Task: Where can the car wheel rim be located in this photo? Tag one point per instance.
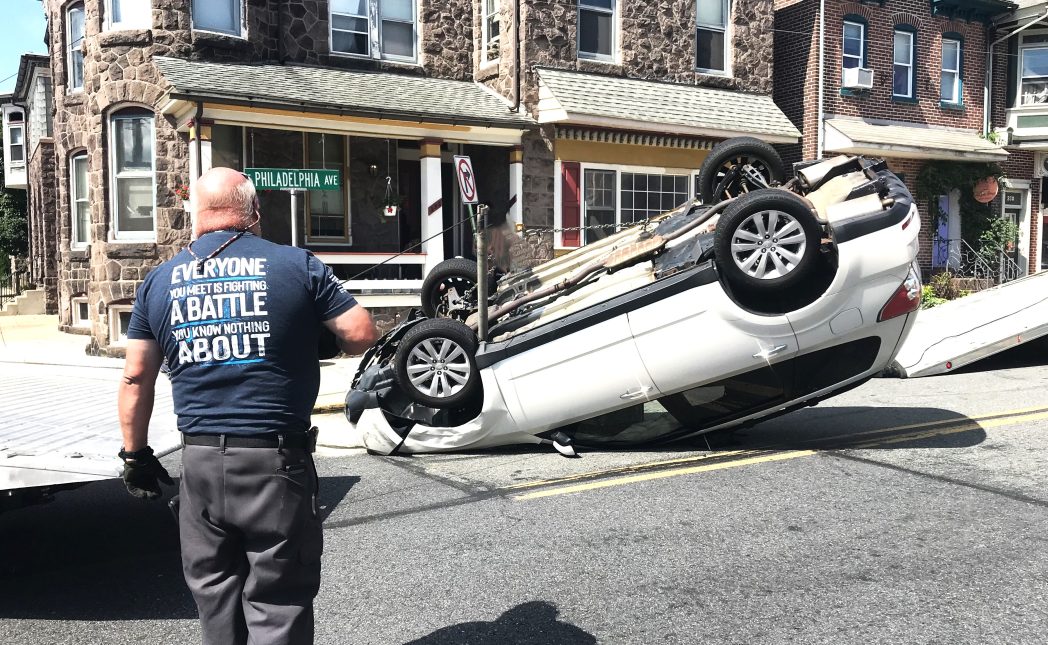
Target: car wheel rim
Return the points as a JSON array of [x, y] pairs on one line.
[[450, 296], [739, 184], [768, 244], [438, 367]]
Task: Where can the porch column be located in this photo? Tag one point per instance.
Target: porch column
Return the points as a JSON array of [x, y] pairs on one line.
[[201, 129], [432, 203], [515, 212]]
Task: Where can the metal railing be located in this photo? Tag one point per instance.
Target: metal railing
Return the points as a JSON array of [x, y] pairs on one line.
[[989, 263], [10, 288]]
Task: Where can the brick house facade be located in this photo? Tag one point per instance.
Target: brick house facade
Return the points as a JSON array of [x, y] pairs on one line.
[[925, 102], [149, 93]]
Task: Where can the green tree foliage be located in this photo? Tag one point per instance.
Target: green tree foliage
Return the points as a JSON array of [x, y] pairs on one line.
[[940, 177], [14, 227]]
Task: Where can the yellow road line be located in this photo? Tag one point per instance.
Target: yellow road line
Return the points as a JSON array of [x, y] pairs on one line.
[[994, 420], [662, 474], [626, 469], [962, 427]]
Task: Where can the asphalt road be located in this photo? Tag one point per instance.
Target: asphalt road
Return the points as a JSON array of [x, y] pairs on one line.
[[901, 512]]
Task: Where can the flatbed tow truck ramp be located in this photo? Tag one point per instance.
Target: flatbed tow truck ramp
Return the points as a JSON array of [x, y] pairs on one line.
[[60, 429], [962, 331]]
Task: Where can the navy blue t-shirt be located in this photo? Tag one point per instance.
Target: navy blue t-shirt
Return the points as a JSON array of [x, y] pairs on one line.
[[240, 332]]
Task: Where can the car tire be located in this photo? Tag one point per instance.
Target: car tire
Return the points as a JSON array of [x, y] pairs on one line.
[[435, 364], [454, 276], [730, 154], [746, 248]]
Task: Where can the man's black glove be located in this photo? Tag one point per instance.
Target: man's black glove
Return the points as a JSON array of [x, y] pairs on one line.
[[143, 473]]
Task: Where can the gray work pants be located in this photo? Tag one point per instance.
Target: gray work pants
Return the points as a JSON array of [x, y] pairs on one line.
[[251, 543]]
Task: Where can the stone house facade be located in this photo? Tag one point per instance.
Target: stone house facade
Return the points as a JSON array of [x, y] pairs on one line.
[[150, 93], [903, 80]]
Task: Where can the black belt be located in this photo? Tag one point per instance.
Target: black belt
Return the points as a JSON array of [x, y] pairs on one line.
[[304, 440]]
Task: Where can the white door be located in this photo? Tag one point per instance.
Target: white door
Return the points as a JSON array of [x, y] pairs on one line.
[[575, 374], [700, 336], [1017, 209]]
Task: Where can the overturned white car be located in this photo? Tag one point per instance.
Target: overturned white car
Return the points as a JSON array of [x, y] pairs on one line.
[[725, 314]]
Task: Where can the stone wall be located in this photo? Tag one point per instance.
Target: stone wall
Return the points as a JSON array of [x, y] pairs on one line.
[[657, 42], [43, 221]]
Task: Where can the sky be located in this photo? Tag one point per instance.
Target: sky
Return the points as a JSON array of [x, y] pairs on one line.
[[21, 31]]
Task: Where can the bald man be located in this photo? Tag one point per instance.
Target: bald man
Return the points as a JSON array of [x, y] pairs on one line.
[[237, 318]]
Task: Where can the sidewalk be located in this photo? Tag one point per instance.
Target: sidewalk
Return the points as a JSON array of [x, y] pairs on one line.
[[35, 340]]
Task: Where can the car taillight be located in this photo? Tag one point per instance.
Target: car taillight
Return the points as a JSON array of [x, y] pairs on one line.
[[906, 298]]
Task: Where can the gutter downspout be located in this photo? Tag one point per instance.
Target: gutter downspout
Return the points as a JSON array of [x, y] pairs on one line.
[[988, 84], [821, 129], [199, 145]]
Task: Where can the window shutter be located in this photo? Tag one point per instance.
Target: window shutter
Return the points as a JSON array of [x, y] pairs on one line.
[[570, 202]]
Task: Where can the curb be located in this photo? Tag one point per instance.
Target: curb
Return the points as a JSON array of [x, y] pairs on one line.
[[329, 408]]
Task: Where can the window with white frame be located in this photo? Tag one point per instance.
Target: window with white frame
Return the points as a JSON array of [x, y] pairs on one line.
[[596, 29], [902, 68], [854, 46], [383, 29], [80, 312], [129, 14], [75, 41], [326, 210], [711, 35], [1033, 70], [133, 184], [491, 29], [78, 203], [613, 197], [119, 320], [221, 16], [950, 88], [15, 139]]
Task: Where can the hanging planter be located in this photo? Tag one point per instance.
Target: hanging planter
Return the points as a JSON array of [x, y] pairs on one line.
[[186, 205], [985, 190], [390, 201]]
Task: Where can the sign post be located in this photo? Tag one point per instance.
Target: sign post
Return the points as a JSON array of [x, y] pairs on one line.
[[467, 182], [293, 180]]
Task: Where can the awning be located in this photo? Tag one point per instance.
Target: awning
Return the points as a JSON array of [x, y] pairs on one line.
[[395, 99], [574, 98], [910, 141]]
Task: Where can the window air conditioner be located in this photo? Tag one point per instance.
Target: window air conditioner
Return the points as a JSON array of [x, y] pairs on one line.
[[858, 78], [1040, 164]]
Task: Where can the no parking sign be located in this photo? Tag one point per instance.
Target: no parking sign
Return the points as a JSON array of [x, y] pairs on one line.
[[466, 179]]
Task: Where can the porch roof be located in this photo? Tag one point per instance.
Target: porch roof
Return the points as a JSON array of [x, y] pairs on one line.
[[892, 139], [377, 95], [653, 106]]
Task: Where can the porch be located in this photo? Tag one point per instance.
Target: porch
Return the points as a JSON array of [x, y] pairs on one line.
[[391, 137]]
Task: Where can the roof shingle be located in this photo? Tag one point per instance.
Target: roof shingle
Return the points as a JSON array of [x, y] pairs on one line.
[[378, 94], [666, 104]]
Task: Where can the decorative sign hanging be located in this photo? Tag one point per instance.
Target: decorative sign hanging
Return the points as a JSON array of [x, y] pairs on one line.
[[985, 190]]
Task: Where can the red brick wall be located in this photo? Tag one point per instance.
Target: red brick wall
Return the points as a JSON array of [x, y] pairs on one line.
[[878, 102], [908, 169], [1020, 163], [1020, 166], [797, 72]]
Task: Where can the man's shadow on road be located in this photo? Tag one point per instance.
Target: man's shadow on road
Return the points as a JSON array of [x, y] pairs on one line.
[[96, 553], [532, 623]]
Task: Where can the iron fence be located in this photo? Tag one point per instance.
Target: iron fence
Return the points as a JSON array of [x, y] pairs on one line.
[[989, 263], [10, 288]]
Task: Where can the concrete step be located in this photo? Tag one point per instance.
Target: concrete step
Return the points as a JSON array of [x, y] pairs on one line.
[[29, 303]]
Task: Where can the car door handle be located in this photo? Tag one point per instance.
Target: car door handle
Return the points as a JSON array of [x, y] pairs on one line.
[[768, 352], [640, 392]]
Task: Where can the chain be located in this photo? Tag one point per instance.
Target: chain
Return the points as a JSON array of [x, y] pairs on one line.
[[538, 230]]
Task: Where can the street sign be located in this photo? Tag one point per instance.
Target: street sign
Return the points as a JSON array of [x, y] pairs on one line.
[[294, 178], [466, 179]]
